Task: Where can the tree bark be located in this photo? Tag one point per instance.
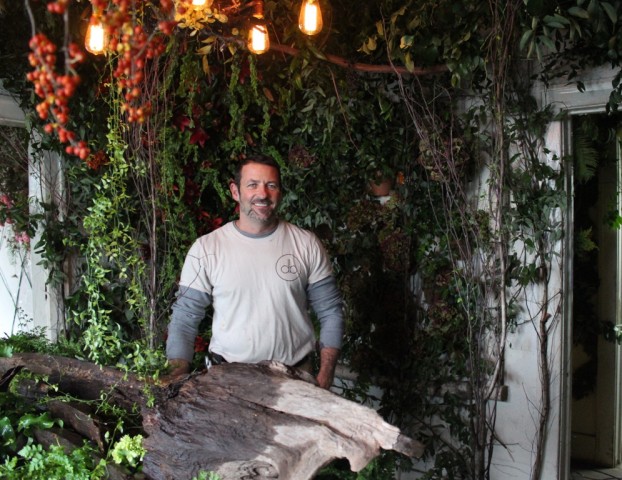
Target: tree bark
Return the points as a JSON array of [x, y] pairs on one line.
[[241, 421]]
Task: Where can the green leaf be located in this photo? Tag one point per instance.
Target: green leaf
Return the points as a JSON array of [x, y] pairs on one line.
[[547, 42], [610, 11], [319, 54], [538, 51], [380, 28], [455, 79], [584, 242], [578, 12], [128, 450], [408, 61], [556, 21], [561, 19], [525, 39], [29, 421], [586, 157], [6, 351], [7, 434], [407, 41], [592, 8], [370, 45]]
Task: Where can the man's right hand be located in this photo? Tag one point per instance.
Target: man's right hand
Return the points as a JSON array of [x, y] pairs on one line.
[[179, 368]]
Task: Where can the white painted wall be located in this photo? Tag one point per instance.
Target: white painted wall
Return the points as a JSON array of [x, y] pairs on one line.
[[25, 299], [16, 305], [516, 417], [16, 311]]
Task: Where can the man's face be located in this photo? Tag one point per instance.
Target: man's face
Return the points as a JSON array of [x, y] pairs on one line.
[[259, 193]]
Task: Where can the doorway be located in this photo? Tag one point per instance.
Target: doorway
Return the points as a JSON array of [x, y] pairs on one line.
[[597, 281]]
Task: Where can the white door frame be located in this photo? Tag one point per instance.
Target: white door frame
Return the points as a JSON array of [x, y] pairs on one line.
[[566, 98]]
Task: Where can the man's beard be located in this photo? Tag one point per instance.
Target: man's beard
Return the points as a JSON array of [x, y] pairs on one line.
[[250, 213]]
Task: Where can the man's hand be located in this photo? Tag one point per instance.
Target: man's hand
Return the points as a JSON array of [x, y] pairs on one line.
[[328, 362], [179, 368]]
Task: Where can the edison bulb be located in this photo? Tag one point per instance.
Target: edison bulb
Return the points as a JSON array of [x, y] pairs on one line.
[[310, 19], [96, 39], [258, 39]]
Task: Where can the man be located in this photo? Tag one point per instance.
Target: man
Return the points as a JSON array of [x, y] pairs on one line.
[[260, 274]]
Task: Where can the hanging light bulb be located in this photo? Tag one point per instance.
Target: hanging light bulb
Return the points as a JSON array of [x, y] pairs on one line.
[[199, 3], [310, 19], [258, 38], [96, 39]]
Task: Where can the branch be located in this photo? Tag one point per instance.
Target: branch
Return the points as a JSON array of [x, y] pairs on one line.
[[364, 67]]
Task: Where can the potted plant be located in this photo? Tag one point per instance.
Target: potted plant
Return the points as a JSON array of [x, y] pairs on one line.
[[380, 184]]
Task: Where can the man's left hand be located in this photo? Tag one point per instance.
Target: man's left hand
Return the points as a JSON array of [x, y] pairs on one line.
[[328, 362]]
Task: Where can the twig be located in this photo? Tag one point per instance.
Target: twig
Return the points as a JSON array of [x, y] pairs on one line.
[[31, 16], [365, 67]]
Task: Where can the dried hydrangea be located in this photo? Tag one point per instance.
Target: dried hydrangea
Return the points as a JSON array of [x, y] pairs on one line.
[[300, 157]]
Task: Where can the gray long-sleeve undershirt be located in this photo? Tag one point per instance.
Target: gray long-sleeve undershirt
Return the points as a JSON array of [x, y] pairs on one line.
[[190, 307]]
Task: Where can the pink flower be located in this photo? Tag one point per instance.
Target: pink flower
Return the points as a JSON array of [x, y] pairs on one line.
[[22, 238], [4, 198]]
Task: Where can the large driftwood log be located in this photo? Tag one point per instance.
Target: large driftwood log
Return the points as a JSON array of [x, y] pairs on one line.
[[241, 421]]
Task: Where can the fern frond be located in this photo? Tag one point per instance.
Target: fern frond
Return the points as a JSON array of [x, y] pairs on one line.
[[585, 157]]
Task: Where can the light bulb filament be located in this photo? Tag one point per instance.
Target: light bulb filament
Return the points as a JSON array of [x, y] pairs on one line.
[[259, 40], [96, 37], [310, 18]]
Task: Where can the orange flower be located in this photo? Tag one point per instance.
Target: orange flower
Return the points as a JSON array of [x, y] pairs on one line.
[[400, 179]]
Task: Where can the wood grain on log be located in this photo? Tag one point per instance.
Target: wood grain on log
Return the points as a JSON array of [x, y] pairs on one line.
[[82, 379], [262, 424], [80, 419], [241, 421]]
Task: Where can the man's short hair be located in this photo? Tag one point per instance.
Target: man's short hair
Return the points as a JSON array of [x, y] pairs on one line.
[[256, 158]]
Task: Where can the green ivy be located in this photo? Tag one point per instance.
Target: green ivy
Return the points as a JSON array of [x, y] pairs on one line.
[[53, 464], [128, 450]]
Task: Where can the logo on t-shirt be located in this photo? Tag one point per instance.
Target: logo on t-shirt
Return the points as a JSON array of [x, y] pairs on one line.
[[288, 267]]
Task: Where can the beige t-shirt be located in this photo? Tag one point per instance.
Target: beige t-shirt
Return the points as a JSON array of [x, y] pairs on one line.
[[258, 289]]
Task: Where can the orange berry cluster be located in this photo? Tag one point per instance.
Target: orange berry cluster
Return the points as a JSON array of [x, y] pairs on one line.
[[59, 6], [134, 47], [128, 39], [167, 25], [55, 89]]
